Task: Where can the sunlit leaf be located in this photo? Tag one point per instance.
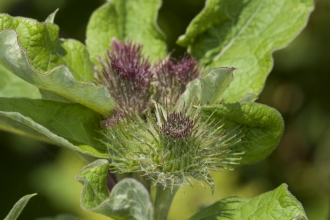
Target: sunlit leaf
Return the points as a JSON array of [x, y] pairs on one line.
[[276, 204], [59, 80], [129, 20], [243, 34], [45, 50]]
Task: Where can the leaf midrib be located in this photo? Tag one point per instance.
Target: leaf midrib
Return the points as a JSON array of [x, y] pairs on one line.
[[231, 42]]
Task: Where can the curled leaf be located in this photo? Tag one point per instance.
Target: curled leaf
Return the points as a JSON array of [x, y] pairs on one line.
[[59, 80], [262, 127], [127, 200]]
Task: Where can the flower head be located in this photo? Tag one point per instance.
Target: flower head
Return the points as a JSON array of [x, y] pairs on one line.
[[173, 148], [127, 76], [172, 77]]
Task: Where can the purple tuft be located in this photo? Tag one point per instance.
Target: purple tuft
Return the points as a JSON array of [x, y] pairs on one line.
[[178, 125], [128, 76], [173, 75]]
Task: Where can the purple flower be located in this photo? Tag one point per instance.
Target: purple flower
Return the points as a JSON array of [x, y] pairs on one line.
[[127, 76], [172, 77]]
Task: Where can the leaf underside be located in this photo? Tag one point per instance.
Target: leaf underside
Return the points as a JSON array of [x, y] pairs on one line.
[[127, 200], [18, 207]]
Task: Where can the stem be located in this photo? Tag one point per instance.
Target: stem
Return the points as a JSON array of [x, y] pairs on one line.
[[163, 201]]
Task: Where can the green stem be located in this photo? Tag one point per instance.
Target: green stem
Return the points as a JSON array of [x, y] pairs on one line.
[[163, 201]]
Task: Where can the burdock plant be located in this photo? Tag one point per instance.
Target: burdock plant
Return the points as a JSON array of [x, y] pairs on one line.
[[155, 122]]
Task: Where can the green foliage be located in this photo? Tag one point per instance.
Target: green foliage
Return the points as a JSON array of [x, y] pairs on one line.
[[45, 50], [59, 80], [243, 34], [13, 86], [130, 20], [68, 124], [127, 200], [208, 89], [53, 97], [262, 127], [276, 204], [18, 207]]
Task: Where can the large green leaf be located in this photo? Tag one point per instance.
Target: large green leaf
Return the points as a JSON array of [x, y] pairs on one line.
[[13, 86], [273, 205], [129, 20], [127, 200], [59, 80], [66, 124], [208, 89], [18, 207], [45, 50], [243, 34], [261, 125]]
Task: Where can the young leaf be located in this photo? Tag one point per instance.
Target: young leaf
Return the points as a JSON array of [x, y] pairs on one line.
[[133, 20], [243, 34], [51, 17], [207, 89], [262, 127], [18, 207], [66, 124], [59, 80], [127, 200], [276, 204], [45, 51]]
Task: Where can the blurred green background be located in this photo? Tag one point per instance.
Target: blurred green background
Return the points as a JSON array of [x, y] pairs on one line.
[[298, 87]]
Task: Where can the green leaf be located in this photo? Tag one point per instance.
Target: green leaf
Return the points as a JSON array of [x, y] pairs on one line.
[[59, 80], [127, 200], [129, 20], [207, 89], [276, 204], [18, 207], [45, 50], [51, 17], [13, 86], [262, 127], [243, 34], [66, 124]]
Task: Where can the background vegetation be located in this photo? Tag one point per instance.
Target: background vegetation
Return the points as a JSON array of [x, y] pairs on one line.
[[298, 87]]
